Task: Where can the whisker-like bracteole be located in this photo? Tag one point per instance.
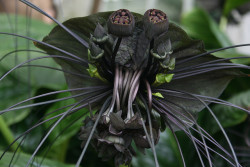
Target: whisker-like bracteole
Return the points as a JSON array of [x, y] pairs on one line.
[[44, 121], [104, 107], [72, 110], [222, 129], [57, 69], [178, 144], [201, 71], [150, 127], [82, 41], [57, 122], [212, 51], [13, 107], [48, 45], [21, 50], [210, 62], [192, 120], [204, 98], [54, 140], [37, 58], [39, 123], [180, 124]]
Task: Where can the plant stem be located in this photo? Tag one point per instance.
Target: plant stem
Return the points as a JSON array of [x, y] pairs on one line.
[[5, 130], [223, 23]]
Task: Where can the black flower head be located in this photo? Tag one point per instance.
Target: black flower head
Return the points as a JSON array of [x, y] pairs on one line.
[[121, 23], [155, 23], [142, 74]]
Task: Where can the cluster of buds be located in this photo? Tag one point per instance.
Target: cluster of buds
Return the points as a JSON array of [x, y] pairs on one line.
[[114, 140]]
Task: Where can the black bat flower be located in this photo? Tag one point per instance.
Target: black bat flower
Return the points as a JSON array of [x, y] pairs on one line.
[[146, 74], [141, 74]]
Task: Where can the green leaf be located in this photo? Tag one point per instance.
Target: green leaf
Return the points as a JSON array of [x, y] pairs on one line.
[[169, 77], [24, 158], [73, 129], [39, 76], [228, 116], [93, 72], [10, 95], [167, 153], [200, 25], [232, 4], [225, 54], [157, 94], [162, 78]]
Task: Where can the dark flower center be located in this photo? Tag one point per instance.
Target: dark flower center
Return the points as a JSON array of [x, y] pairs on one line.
[[121, 17], [156, 16], [129, 57]]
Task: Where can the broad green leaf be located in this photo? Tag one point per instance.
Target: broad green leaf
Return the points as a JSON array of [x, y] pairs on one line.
[[200, 25], [24, 158], [232, 4]]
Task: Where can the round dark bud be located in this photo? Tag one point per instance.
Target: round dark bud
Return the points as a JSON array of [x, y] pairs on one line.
[[155, 23], [121, 23]]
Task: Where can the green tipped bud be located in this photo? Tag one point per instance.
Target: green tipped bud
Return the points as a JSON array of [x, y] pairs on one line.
[[95, 51], [100, 34], [162, 50], [121, 23], [168, 63], [155, 23]]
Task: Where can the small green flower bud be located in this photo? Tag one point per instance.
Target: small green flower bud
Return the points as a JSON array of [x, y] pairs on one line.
[[95, 51], [100, 34], [168, 63], [162, 50]]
